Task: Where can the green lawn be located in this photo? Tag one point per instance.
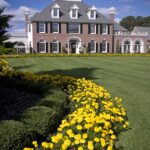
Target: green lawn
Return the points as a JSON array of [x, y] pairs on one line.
[[126, 77]]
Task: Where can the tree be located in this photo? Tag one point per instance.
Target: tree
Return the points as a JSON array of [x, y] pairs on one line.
[[130, 22], [4, 25]]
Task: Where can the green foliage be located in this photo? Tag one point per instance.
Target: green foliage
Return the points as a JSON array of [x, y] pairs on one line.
[[4, 25], [4, 50], [130, 22], [40, 119], [14, 135]]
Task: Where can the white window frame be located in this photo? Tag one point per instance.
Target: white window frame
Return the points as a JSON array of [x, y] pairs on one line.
[[71, 14], [55, 42], [91, 30], [44, 45], [42, 23], [105, 51], [52, 13], [57, 28], [94, 46], [106, 28], [90, 14], [79, 26]]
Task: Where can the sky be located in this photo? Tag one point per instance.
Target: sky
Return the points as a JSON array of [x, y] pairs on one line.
[[123, 8]]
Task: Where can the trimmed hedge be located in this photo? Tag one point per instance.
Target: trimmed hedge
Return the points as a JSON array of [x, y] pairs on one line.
[[73, 55], [14, 135]]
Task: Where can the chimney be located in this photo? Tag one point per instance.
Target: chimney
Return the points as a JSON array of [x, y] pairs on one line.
[[26, 19], [112, 12]]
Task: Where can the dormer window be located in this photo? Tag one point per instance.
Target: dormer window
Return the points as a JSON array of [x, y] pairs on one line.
[[74, 12], [55, 12], [92, 12]]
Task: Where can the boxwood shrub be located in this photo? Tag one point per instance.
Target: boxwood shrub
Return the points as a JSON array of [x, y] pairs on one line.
[[14, 135]]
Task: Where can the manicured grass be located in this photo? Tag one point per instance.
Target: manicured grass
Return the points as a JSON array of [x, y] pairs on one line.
[[126, 77]]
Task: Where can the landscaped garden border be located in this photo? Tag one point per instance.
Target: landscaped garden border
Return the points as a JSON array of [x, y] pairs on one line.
[[73, 55], [95, 120]]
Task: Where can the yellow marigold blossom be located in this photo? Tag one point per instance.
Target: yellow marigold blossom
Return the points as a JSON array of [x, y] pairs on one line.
[[103, 143], [26, 148], [97, 129], [96, 139], [80, 148], [113, 137], [85, 136], [79, 127], [109, 148], [90, 145]]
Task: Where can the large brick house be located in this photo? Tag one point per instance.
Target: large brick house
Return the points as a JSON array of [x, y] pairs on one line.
[[72, 26]]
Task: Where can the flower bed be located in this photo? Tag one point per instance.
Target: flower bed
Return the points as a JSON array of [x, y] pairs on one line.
[[95, 120], [73, 55]]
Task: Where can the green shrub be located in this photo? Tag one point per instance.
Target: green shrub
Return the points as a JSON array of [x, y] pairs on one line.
[[40, 119], [14, 135], [4, 50]]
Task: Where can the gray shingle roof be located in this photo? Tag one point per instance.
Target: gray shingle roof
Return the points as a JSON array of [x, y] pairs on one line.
[[118, 27], [143, 29], [45, 15]]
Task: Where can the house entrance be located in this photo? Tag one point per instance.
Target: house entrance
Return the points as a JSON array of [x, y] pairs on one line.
[[73, 46]]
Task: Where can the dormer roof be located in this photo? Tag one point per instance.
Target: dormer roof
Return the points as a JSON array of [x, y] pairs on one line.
[[74, 7]]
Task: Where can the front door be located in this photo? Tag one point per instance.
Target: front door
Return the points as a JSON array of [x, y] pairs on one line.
[[73, 46]]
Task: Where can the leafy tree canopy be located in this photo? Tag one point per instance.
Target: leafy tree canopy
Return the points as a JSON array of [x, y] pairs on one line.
[[130, 22]]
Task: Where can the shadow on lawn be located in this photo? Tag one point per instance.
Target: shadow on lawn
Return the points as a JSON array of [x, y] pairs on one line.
[[22, 67], [75, 72]]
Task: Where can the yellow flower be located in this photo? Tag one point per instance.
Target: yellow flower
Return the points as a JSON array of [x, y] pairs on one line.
[[26, 148], [80, 148], [85, 136], [79, 127], [90, 145], [113, 137], [102, 140], [97, 129], [96, 139], [109, 147]]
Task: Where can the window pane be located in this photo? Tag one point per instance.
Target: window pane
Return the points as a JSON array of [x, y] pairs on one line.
[[41, 27], [74, 13], [92, 46], [54, 47], [73, 28], [55, 27], [104, 29], [104, 46], [92, 28], [42, 47], [55, 12], [92, 14]]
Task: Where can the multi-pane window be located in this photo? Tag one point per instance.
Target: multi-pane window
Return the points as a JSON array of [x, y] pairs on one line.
[[104, 46], [55, 12], [92, 14], [92, 46], [74, 13], [74, 28], [92, 28], [104, 29], [55, 27], [55, 46], [42, 47], [41, 27]]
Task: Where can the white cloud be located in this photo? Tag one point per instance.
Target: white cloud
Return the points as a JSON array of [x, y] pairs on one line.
[[19, 13], [3, 3], [20, 31], [127, 8], [105, 10], [117, 20]]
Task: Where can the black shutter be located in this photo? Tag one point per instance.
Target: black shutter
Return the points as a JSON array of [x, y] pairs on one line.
[[67, 27], [59, 27], [46, 28], [101, 29], [97, 29], [51, 48], [107, 47], [37, 27], [100, 47], [108, 29], [89, 47], [88, 28], [51, 24], [38, 47], [46, 47], [96, 47], [81, 28], [59, 47]]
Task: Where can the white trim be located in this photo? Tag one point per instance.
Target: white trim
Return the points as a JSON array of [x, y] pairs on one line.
[[71, 14], [43, 23], [52, 13], [142, 44], [106, 48], [131, 45]]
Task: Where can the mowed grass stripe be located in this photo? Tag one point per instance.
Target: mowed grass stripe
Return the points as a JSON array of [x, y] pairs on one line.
[[126, 77]]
